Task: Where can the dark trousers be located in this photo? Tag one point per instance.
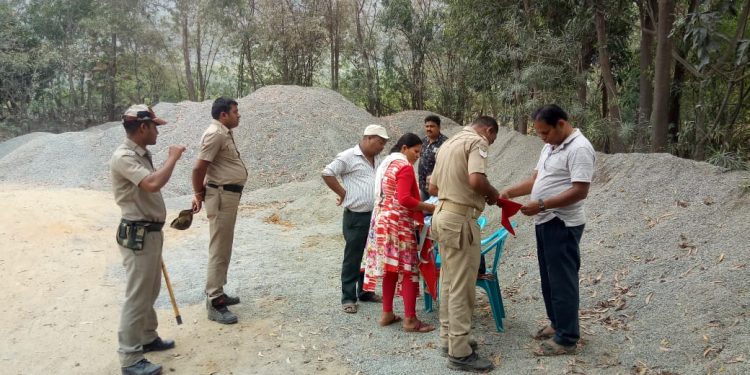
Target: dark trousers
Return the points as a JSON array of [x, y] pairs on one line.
[[356, 226], [559, 261]]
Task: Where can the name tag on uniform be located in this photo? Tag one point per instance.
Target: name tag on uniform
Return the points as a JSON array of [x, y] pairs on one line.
[[483, 153]]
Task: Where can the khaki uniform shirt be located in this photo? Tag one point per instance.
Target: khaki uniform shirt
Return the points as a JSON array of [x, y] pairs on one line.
[[218, 148], [461, 155], [129, 165]]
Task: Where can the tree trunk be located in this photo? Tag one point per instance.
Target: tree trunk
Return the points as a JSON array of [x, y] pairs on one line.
[[646, 89], [660, 115], [253, 78], [111, 115], [584, 64], [198, 68], [241, 70], [334, 35], [520, 118], [615, 140], [678, 81], [189, 84]]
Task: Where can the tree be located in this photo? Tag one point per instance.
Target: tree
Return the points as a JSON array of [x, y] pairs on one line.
[[662, 70]]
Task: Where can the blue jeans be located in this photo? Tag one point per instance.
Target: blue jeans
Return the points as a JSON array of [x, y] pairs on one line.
[[559, 261]]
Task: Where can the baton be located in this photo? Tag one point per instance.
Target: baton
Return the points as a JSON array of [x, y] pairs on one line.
[[171, 292]]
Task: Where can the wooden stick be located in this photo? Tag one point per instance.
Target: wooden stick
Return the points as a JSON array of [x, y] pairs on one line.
[[171, 293]]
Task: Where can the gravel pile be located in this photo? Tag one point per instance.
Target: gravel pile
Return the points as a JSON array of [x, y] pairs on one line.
[[664, 255]]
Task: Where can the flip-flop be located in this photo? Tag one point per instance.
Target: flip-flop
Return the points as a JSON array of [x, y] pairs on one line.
[[419, 328], [551, 348], [395, 319], [541, 335], [350, 308]]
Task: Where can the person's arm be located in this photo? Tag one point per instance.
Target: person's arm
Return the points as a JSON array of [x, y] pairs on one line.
[[333, 183], [199, 183], [157, 179], [404, 184], [520, 189], [477, 166], [480, 184], [577, 192]]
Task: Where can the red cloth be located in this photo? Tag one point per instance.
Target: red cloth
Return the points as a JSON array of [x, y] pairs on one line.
[[428, 268], [509, 208]]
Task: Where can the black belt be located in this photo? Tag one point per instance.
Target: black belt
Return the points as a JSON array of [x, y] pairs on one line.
[[151, 226], [228, 187]]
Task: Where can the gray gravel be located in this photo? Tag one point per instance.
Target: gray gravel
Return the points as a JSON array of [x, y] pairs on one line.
[[664, 255]]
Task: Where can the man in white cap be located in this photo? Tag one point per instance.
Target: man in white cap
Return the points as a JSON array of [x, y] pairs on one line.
[[356, 167], [136, 185]]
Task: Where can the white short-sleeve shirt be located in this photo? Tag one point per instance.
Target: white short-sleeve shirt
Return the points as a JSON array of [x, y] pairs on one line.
[[557, 169]]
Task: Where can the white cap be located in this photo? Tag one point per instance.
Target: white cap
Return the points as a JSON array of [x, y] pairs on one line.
[[376, 130]]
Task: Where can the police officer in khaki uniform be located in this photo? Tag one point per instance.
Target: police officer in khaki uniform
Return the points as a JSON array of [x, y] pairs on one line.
[[460, 182], [219, 175], [136, 185]]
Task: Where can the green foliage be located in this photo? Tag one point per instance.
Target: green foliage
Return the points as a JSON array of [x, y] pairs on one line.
[[728, 160], [459, 58]]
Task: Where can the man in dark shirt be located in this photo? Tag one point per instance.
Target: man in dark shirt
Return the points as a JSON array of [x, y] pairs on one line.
[[430, 145]]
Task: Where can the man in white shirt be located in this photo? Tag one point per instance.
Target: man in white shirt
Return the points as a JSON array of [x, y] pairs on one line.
[[558, 186], [356, 167]]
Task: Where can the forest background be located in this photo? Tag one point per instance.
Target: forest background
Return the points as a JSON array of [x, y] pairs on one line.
[[636, 76]]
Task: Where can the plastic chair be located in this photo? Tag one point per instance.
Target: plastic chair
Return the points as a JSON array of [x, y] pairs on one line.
[[489, 281], [482, 221]]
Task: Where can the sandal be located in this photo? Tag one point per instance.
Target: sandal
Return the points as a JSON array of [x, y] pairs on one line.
[[419, 327], [350, 308], [551, 348], [394, 319], [544, 333]]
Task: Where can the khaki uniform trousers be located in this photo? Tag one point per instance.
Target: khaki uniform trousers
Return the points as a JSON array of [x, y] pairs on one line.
[[458, 240], [138, 320], [221, 209]]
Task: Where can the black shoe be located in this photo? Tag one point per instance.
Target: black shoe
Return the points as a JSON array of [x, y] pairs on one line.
[[158, 345], [143, 367], [228, 301], [472, 343], [220, 313], [471, 363]]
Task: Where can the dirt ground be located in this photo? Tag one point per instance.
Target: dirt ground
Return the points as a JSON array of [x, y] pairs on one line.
[[61, 310]]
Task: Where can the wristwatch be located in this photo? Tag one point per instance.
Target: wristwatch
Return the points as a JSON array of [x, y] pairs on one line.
[[541, 206]]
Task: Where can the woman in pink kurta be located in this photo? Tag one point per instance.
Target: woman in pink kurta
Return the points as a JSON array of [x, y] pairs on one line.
[[391, 251]]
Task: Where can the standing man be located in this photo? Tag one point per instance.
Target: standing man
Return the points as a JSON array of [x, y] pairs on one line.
[[462, 187], [356, 167], [558, 186], [136, 185], [430, 144], [219, 176]]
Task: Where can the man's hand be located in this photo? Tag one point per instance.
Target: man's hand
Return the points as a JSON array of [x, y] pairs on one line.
[[505, 193], [340, 198], [175, 151], [198, 201], [491, 199], [531, 208]]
